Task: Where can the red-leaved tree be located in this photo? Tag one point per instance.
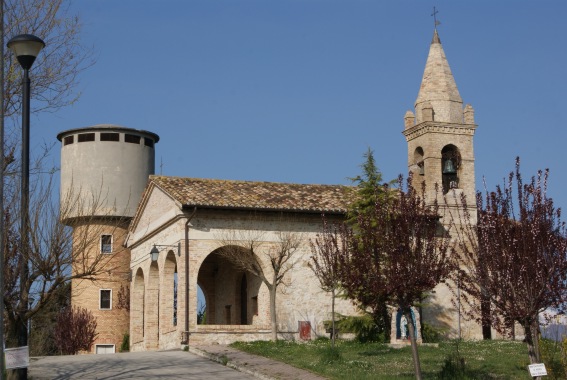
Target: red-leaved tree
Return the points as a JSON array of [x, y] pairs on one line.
[[75, 331], [513, 257], [397, 253]]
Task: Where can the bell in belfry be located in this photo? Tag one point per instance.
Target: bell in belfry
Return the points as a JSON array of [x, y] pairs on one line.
[[449, 168]]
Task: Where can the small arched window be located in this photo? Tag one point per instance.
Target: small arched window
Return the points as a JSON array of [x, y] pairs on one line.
[[418, 157]]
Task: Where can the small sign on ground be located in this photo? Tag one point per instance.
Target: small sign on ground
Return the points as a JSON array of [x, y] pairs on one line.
[[537, 370]]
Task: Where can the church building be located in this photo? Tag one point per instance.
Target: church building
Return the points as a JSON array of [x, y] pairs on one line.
[[165, 236]]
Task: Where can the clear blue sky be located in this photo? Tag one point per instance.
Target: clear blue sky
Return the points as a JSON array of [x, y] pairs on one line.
[[296, 90]]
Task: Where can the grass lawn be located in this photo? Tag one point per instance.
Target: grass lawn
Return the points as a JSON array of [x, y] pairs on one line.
[[483, 359]]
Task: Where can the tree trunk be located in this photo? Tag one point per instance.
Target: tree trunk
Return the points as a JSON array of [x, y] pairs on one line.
[[485, 313], [415, 355], [13, 337], [531, 330], [273, 318], [333, 331]]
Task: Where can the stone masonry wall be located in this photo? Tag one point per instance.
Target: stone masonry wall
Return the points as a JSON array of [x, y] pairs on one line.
[[112, 324]]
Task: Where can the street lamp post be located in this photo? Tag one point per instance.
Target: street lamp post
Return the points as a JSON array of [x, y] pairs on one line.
[[26, 47]]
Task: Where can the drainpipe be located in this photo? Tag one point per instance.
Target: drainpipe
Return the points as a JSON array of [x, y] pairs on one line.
[[185, 339]]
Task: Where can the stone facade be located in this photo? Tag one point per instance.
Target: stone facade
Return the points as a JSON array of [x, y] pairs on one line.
[[227, 288], [187, 220]]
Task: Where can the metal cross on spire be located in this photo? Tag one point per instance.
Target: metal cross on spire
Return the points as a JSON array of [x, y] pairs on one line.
[[434, 14]]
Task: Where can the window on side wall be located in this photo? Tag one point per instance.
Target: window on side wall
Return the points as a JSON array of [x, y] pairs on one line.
[[105, 302], [106, 244]]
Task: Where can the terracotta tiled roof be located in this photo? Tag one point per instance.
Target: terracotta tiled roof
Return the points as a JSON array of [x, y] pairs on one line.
[[254, 195]]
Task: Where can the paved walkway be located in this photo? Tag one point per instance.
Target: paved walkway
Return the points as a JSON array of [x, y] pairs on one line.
[[198, 364], [133, 365], [256, 366]]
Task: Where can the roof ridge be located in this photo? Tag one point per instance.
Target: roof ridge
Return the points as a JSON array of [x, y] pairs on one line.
[[154, 176]]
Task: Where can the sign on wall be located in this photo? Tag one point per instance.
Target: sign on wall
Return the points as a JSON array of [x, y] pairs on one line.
[[18, 357]]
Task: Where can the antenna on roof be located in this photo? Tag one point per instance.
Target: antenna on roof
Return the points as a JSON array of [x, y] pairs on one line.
[[161, 165], [434, 14]]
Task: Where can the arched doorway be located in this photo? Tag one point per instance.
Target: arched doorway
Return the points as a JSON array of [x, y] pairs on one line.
[[168, 297], [229, 291], [151, 312], [137, 306]]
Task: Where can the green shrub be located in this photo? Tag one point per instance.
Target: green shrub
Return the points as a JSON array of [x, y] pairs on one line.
[[329, 355], [454, 366], [551, 355], [431, 334], [363, 327], [224, 359], [125, 346]]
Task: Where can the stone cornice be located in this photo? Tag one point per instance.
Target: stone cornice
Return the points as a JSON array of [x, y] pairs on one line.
[[438, 127]]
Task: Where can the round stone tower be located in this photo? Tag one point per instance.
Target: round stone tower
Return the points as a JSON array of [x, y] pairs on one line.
[[104, 170]]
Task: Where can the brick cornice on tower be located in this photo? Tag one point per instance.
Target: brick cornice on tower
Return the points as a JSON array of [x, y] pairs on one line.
[[439, 127]]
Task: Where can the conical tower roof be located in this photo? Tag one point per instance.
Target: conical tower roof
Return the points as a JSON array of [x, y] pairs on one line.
[[438, 88]]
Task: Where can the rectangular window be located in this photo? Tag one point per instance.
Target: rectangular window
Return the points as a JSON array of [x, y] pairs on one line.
[[132, 139], [106, 244], [107, 136], [148, 142], [105, 299], [104, 348], [68, 140], [84, 137]]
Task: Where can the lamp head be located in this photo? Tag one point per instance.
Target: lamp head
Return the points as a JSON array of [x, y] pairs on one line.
[[154, 253], [26, 47]]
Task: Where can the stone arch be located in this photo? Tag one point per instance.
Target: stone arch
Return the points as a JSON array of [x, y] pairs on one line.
[[221, 281], [450, 167], [168, 295], [137, 306], [151, 312], [418, 159]]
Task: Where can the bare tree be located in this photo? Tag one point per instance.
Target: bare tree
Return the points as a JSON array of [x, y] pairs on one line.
[[243, 246], [514, 255], [55, 72], [75, 331], [327, 250], [57, 253], [396, 254], [124, 298]]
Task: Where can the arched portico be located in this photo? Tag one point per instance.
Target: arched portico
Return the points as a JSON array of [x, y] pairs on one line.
[[230, 292], [169, 300], [151, 312], [137, 307]]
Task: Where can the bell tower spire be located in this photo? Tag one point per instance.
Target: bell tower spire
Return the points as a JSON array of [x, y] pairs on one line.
[[438, 87], [440, 133]]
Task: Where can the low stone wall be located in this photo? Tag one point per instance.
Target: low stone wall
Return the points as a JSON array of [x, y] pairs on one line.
[[226, 334]]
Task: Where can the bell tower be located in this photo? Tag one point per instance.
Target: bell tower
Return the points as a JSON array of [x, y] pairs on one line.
[[440, 132]]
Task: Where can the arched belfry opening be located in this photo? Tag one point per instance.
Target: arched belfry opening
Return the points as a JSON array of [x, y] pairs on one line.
[[418, 160], [450, 167], [229, 290]]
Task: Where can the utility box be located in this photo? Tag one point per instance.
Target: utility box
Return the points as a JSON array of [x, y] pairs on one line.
[[304, 330]]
